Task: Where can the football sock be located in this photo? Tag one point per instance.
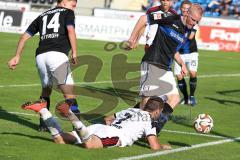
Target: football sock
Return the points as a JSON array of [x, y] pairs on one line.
[[47, 99], [167, 109], [193, 85], [183, 88], [74, 106], [164, 117], [79, 126], [50, 121], [78, 139]]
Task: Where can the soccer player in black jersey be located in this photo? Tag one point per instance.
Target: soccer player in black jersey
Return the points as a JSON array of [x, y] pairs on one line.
[[156, 74], [189, 54], [57, 37]]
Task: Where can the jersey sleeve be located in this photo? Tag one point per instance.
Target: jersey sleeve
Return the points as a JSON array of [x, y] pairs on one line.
[[150, 129], [70, 18], [33, 28]]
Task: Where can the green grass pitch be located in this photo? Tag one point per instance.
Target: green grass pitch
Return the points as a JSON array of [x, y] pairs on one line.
[[218, 94]]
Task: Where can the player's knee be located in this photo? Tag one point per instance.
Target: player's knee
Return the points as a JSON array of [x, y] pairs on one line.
[[173, 100], [58, 139], [179, 77], [193, 74]]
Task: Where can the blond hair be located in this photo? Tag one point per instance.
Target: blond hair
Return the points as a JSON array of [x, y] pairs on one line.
[[196, 8]]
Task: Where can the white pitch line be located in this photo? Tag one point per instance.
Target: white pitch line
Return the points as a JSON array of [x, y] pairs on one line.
[[122, 81], [180, 149], [219, 75]]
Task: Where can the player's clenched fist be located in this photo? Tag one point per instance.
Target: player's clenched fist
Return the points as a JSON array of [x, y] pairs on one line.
[[13, 62]]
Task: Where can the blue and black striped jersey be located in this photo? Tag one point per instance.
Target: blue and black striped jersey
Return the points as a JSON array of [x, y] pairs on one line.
[[171, 35]]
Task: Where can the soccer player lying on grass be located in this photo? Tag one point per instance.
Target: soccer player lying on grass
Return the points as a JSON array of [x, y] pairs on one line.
[[127, 126]]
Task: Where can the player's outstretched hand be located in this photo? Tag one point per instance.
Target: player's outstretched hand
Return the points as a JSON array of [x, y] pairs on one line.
[[165, 147], [12, 64]]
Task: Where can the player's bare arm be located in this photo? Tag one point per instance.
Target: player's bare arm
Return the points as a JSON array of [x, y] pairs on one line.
[[137, 32], [109, 119], [179, 60], [155, 145], [15, 60], [191, 36], [193, 32], [73, 42]]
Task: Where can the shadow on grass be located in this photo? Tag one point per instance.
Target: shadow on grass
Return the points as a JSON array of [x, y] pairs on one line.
[[25, 135], [223, 101], [142, 143], [180, 144], [230, 93], [4, 115]]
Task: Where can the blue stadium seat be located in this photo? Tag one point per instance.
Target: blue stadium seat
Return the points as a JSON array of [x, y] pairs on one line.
[[215, 14], [208, 14], [208, 1], [201, 1], [194, 1]]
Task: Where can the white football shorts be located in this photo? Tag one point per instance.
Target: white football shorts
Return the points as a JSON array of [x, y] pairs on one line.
[[191, 61], [109, 135], [54, 67], [156, 81]]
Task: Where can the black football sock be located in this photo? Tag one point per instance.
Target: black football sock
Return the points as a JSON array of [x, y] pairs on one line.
[[193, 85], [164, 117], [183, 88], [47, 99]]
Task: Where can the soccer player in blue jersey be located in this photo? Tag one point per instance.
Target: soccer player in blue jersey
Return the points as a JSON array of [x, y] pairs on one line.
[[189, 54]]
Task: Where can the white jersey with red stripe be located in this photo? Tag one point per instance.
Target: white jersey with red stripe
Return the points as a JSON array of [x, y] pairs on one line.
[[133, 124]]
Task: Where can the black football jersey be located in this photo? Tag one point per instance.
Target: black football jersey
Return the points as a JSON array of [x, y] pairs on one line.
[[52, 27], [171, 35], [189, 46]]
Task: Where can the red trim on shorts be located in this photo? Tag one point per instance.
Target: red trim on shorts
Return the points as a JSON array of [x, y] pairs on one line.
[[108, 142]]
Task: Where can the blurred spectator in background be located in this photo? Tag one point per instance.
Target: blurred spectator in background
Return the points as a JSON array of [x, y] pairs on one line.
[[236, 6], [151, 3]]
